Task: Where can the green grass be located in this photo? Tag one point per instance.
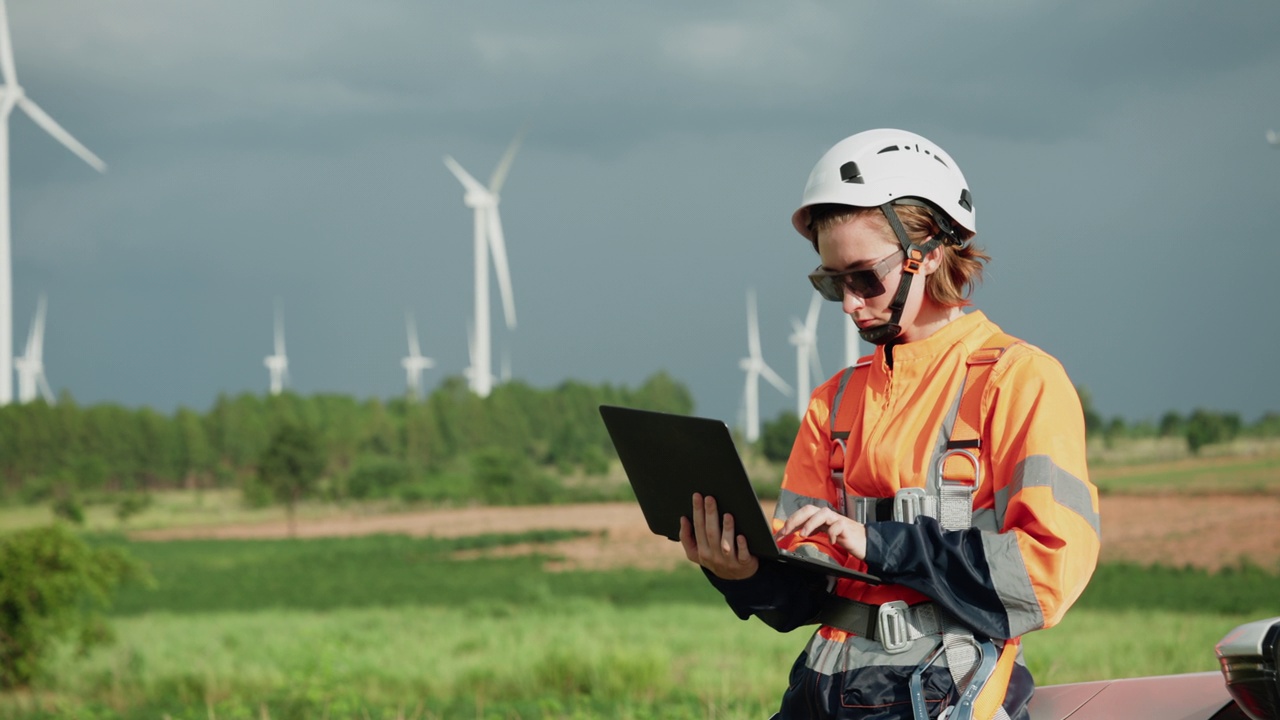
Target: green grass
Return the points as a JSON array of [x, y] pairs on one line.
[[1230, 474], [390, 626]]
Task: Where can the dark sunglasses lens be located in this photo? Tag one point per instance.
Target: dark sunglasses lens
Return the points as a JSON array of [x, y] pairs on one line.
[[828, 287], [862, 283]]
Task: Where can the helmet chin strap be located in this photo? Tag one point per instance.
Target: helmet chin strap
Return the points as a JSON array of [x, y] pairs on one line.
[[914, 255]]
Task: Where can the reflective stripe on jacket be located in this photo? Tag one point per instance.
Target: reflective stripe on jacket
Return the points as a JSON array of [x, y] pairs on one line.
[[1035, 536]]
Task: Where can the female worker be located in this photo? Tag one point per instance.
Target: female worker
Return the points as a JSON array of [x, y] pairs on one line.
[[950, 464]]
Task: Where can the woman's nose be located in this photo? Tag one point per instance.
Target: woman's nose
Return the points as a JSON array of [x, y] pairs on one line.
[[851, 303]]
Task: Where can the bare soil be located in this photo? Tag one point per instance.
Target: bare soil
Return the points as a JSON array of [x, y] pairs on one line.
[[1205, 531]]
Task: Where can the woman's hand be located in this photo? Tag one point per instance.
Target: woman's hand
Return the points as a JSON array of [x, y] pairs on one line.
[[844, 532], [714, 545]]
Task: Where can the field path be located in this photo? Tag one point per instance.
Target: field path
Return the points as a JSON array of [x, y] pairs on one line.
[[1206, 531]]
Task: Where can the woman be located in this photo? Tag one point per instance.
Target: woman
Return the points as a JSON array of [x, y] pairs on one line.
[[950, 464]]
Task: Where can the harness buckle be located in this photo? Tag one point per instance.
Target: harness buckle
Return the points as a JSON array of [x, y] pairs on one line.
[[891, 627], [977, 469], [908, 504]]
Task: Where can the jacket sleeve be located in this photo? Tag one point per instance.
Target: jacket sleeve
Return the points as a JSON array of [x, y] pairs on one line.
[[1004, 584], [782, 596]]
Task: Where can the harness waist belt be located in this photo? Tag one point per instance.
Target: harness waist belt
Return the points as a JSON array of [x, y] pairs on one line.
[[893, 624]]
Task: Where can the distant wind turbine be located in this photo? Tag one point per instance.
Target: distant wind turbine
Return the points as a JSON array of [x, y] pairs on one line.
[[756, 368], [488, 239], [30, 365], [278, 364], [414, 363], [852, 342], [13, 95], [805, 338]]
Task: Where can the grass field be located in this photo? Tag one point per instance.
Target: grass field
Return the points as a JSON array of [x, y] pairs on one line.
[[396, 627]]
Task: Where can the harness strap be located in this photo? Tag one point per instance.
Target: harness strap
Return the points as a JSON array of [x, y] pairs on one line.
[[960, 476], [893, 624]]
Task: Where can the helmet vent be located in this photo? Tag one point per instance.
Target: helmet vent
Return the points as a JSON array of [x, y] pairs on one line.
[[850, 173], [966, 200], [891, 148], [944, 162]]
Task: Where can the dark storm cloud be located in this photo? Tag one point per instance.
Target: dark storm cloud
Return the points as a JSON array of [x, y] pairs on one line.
[[292, 149]]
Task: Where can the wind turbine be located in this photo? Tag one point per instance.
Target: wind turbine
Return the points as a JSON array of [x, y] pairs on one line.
[[755, 368], [488, 239], [414, 363], [852, 343], [278, 364], [805, 338], [13, 95], [30, 365]]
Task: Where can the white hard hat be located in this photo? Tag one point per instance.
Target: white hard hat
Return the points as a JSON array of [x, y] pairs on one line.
[[882, 166]]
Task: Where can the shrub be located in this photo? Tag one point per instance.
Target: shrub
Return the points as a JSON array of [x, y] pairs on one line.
[[50, 580], [778, 436], [377, 476]]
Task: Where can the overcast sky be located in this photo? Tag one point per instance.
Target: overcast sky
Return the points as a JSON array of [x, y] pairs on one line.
[[292, 149]]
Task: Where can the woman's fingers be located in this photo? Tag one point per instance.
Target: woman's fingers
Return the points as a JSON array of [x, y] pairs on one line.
[[796, 519], [727, 538]]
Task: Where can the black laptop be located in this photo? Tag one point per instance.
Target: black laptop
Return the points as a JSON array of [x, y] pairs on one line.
[[669, 457]]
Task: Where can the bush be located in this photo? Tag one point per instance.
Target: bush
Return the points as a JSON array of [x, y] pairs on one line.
[[49, 581], [376, 476], [132, 504], [505, 477], [778, 436]]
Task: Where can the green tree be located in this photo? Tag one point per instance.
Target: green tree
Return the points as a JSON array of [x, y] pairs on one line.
[[291, 466], [1093, 422], [778, 435], [1205, 427], [1172, 424], [52, 584]]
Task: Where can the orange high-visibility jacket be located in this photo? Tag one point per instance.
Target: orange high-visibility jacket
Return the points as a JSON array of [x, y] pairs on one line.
[[1032, 547]]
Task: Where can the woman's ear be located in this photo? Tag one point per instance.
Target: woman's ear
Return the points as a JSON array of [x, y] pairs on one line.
[[932, 260]]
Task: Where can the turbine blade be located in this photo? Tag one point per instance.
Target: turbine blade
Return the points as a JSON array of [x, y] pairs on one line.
[[815, 363], [52, 127], [6, 49], [811, 320], [768, 374], [498, 249], [471, 344], [412, 328], [504, 165], [464, 177], [753, 326], [35, 343], [279, 334], [45, 390]]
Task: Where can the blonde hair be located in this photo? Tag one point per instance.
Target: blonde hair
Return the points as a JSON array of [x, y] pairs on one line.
[[961, 268]]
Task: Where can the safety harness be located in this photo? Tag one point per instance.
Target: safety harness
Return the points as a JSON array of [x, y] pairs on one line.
[[959, 475]]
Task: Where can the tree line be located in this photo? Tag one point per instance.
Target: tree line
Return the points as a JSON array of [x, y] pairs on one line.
[[367, 447]]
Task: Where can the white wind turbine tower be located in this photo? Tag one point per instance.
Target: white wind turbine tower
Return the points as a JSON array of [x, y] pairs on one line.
[[13, 95], [414, 363], [488, 238], [30, 365], [805, 338], [278, 364], [755, 368], [852, 342]]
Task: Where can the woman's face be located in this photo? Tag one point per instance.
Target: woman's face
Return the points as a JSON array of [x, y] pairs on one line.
[[860, 243]]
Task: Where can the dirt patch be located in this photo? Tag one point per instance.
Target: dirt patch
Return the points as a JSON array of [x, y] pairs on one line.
[[1206, 531]]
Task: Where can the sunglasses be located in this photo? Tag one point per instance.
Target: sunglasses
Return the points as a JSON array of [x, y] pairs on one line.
[[865, 282]]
